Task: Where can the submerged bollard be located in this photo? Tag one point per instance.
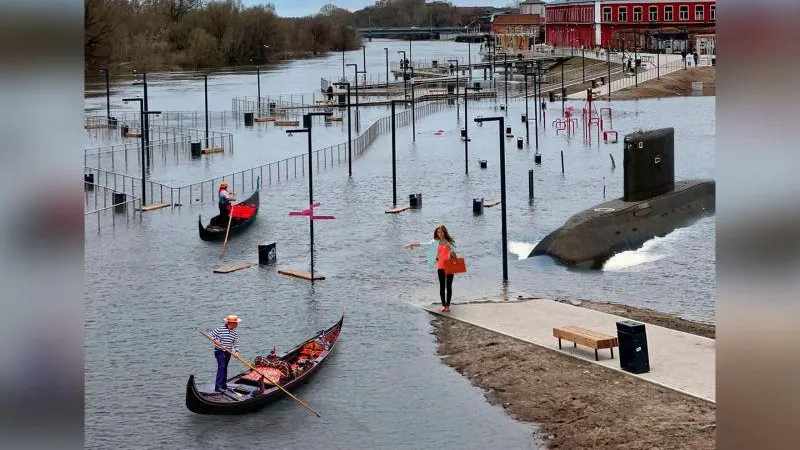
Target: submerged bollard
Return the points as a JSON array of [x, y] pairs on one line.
[[463, 133], [267, 254], [477, 206], [118, 200], [415, 201], [537, 158], [530, 184], [519, 143], [524, 118], [482, 163], [248, 119], [197, 152], [508, 130]]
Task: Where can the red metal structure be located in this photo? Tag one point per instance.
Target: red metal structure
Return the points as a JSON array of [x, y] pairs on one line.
[[645, 24]]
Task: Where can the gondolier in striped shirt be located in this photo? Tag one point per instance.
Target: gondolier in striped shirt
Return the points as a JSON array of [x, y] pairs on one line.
[[226, 336]]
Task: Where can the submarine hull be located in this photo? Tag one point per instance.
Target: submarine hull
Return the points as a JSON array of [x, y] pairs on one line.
[[588, 239]]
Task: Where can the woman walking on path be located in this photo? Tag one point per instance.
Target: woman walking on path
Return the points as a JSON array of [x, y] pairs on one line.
[[440, 249]]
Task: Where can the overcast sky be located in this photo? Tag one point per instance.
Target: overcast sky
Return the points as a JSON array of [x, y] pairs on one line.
[[296, 8]]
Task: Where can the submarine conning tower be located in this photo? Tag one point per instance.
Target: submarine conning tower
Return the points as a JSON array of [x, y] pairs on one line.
[[649, 164]]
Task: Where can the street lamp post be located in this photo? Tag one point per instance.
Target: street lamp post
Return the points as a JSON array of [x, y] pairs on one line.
[[307, 122], [456, 61], [466, 124], [413, 115], [583, 64], [469, 57], [146, 123], [258, 82], [505, 78], [501, 123], [349, 131], [142, 115], [404, 65], [108, 98], [343, 76], [364, 64], [394, 154], [386, 51], [205, 90], [527, 117], [563, 90], [355, 80]]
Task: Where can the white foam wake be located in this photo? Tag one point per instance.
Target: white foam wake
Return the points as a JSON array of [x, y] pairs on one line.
[[652, 250], [521, 249]]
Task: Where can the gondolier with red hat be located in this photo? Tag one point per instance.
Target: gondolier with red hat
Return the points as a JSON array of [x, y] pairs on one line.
[[225, 335], [225, 198]]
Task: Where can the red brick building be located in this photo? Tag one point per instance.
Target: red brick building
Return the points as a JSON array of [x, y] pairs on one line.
[[642, 24]]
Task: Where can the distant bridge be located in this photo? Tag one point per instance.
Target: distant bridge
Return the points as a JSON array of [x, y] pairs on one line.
[[421, 31]]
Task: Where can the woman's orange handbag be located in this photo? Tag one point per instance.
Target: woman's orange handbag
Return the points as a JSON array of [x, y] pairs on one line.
[[454, 265]]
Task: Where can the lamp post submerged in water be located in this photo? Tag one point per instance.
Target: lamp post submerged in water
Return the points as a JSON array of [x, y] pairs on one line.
[[501, 122]]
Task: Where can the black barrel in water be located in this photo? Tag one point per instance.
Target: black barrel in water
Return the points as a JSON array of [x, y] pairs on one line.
[[267, 253], [118, 200], [248, 119], [477, 206], [197, 151], [415, 201]]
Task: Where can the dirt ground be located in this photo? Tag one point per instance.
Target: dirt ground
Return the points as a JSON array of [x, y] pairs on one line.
[[675, 84], [576, 404]]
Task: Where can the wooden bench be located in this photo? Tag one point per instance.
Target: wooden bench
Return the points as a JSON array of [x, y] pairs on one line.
[[588, 338]]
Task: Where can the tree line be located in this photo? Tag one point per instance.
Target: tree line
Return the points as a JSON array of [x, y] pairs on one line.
[[151, 35]]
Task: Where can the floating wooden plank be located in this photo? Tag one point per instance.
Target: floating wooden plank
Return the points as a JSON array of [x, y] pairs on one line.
[[154, 206], [397, 209], [232, 268], [95, 126], [333, 119], [302, 274], [206, 151], [287, 123], [133, 135], [490, 204], [264, 119]]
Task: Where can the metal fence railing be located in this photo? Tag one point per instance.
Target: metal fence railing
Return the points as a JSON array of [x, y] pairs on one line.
[[274, 104], [286, 169], [103, 204]]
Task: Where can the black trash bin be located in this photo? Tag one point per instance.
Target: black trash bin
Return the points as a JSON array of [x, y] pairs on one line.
[[248, 119], [197, 151], [633, 355], [552, 96], [477, 206], [415, 201], [267, 253]]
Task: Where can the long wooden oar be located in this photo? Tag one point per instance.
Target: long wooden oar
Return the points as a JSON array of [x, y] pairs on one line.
[[227, 232], [277, 383]]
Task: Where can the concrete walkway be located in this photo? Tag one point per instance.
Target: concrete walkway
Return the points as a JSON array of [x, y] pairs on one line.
[[679, 361], [653, 68]]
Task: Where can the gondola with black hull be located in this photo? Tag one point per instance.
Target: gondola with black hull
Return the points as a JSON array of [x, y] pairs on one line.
[[251, 391], [244, 214]]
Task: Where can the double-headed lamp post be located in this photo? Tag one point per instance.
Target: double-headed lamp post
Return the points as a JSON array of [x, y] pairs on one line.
[[501, 122], [355, 80], [394, 153], [349, 130], [307, 122], [466, 126], [142, 115]]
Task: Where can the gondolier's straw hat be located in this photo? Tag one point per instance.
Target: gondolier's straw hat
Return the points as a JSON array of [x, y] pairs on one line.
[[233, 319]]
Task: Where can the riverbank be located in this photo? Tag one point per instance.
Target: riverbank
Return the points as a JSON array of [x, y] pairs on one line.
[[675, 84], [575, 403]]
